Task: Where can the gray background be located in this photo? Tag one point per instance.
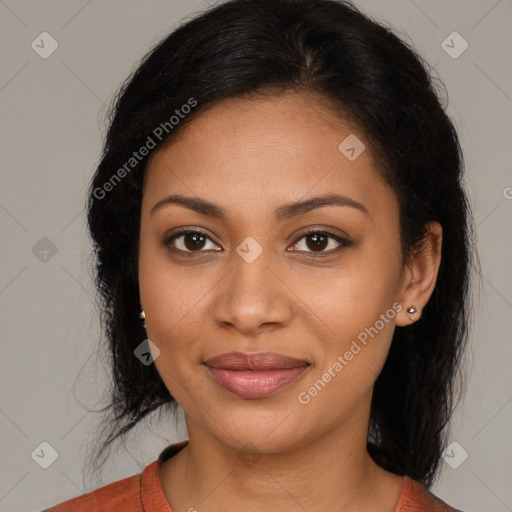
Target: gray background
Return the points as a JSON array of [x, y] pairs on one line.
[[52, 113]]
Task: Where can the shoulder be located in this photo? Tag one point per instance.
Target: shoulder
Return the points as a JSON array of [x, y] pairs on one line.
[[137, 493], [416, 497], [121, 495]]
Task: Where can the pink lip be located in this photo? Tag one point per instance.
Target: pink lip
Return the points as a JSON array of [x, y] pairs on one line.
[[254, 375]]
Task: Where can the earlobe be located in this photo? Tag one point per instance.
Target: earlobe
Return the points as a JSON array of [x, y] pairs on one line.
[[412, 310], [421, 275], [142, 317], [408, 316]]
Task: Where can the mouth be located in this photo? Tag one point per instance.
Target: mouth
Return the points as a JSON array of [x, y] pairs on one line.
[[256, 375]]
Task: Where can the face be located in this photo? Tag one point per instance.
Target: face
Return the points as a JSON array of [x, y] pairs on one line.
[[251, 279]]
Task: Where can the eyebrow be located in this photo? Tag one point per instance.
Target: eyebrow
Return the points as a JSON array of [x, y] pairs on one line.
[[286, 211]]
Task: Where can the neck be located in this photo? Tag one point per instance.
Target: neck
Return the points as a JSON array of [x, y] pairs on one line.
[[332, 472]]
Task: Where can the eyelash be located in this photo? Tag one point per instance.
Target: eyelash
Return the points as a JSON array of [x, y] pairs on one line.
[[342, 241]]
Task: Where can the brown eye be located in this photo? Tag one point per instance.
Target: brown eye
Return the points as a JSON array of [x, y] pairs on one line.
[[193, 241], [187, 241], [317, 241]]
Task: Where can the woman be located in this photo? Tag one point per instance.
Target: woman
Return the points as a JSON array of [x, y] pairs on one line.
[[280, 200]]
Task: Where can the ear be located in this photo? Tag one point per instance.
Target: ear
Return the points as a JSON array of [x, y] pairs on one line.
[[420, 275]]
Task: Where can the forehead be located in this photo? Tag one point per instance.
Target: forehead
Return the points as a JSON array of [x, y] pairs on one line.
[[277, 148]]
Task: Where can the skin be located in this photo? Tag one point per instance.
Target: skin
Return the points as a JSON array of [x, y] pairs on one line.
[[251, 156]]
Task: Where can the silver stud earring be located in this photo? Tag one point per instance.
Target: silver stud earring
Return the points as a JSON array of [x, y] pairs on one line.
[[411, 310], [142, 316]]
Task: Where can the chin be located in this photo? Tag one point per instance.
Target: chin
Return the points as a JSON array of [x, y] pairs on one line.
[[263, 431]]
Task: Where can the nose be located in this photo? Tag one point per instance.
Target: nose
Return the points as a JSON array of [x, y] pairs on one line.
[[252, 297]]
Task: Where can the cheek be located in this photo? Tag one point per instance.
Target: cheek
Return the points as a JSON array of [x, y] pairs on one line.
[[350, 298], [348, 367], [174, 296], [358, 305]]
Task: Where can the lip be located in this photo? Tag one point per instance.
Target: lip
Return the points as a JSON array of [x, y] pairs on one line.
[[255, 375]]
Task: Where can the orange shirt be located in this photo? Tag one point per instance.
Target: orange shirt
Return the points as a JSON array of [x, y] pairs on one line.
[[144, 493]]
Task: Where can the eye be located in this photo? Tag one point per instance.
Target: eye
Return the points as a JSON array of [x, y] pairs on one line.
[[193, 241], [319, 240], [187, 240]]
